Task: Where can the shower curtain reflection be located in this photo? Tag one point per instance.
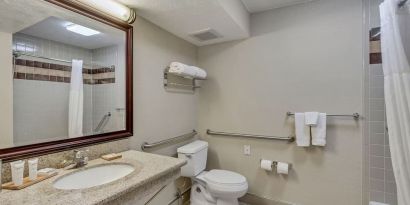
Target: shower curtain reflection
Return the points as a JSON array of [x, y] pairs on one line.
[[76, 101]]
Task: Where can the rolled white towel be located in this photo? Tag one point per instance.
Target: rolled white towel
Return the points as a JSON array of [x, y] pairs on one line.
[[187, 71], [199, 72], [182, 70]]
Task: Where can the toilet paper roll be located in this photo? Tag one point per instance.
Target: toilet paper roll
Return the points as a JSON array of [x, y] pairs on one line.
[[266, 165], [282, 168]]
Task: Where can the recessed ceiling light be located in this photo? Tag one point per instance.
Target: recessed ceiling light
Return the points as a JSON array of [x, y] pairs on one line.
[[81, 30]]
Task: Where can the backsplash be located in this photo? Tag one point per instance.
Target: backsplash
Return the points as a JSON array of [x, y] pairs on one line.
[[55, 160]]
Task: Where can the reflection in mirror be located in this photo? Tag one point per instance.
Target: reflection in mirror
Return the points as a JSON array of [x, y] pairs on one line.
[[67, 73]]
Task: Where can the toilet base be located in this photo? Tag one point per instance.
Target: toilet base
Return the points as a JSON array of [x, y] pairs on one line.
[[227, 202], [201, 196]]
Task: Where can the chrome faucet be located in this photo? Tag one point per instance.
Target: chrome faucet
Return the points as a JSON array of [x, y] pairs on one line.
[[80, 159]]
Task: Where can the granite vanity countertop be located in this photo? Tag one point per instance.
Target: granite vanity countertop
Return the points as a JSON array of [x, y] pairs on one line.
[[148, 168]]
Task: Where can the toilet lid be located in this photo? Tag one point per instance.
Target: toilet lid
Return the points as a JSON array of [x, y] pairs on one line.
[[225, 177]]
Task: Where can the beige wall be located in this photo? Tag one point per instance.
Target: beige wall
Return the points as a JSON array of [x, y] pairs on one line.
[[6, 90], [300, 58], [158, 114]]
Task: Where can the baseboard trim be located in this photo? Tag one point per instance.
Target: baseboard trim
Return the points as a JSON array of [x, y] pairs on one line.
[[253, 199]]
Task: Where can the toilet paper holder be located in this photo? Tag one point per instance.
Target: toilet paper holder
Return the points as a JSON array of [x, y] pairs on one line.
[[275, 163]]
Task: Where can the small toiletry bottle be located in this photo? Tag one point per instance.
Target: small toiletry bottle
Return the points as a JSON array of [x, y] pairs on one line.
[[32, 168], [17, 172]]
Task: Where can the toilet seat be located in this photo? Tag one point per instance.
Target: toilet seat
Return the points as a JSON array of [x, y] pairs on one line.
[[225, 184], [224, 177]]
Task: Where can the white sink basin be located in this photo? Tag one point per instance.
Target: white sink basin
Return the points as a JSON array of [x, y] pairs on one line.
[[93, 176]]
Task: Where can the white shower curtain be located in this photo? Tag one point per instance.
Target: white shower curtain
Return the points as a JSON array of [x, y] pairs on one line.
[[76, 102], [397, 95]]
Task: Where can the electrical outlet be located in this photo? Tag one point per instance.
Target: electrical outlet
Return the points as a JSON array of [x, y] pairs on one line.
[[247, 150]]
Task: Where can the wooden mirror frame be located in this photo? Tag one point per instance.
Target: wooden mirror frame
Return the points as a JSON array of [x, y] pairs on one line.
[[33, 150]]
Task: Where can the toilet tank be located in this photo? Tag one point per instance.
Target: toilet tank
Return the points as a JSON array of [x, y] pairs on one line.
[[195, 154]]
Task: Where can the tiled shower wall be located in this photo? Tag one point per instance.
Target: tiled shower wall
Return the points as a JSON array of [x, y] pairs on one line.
[[380, 181], [44, 120], [53, 112], [42, 47], [113, 95]]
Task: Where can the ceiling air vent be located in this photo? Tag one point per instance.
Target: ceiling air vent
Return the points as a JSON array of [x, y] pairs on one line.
[[206, 35]]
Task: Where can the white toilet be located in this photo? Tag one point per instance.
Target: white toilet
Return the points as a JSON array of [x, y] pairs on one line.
[[216, 187]]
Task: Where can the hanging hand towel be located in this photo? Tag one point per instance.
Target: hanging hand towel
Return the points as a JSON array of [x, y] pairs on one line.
[[319, 132], [311, 118], [302, 131]]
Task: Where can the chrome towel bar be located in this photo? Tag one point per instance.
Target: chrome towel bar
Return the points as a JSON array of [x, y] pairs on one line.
[[355, 115], [147, 145], [289, 139]]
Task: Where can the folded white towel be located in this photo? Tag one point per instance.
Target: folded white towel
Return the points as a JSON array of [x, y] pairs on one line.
[[319, 132], [199, 73], [302, 131], [311, 118], [182, 70], [187, 71]]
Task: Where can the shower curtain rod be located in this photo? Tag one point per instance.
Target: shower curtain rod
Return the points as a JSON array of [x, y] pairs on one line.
[[18, 54]]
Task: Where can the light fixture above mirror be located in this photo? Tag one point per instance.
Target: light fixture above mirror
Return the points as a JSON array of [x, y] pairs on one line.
[[112, 8]]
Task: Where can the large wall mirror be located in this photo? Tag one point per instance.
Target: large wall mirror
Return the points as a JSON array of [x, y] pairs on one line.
[[66, 78]]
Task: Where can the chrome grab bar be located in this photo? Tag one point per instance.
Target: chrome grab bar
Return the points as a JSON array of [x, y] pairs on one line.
[[147, 145], [103, 122], [289, 139]]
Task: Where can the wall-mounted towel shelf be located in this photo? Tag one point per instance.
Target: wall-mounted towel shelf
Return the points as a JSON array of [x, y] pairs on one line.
[[147, 145], [355, 115], [289, 139], [192, 82]]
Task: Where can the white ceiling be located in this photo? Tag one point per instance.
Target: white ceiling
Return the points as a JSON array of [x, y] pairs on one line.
[[229, 18], [54, 29], [45, 20], [254, 6]]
